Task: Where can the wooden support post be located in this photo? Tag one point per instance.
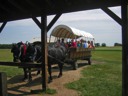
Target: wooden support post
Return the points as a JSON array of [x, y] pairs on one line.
[[44, 51], [124, 9], [3, 84]]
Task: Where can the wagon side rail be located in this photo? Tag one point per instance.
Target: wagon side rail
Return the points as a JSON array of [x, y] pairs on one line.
[[79, 54]]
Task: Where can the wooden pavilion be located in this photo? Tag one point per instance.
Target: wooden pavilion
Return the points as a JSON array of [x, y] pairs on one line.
[[11, 10]]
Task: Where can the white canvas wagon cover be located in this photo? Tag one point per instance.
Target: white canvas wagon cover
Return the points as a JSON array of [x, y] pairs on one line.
[[63, 31]]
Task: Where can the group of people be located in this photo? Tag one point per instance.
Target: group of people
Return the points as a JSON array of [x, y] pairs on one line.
[[85, 44], [60, 42], [75, 43]]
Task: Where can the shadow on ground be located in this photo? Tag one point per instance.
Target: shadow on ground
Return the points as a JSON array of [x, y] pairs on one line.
[[17, 87]]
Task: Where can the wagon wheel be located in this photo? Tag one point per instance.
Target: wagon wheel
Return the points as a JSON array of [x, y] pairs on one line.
[[89, 61], [75, 65]]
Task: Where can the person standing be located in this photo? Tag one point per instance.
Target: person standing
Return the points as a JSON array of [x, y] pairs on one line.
[[78, 44], [85, 44], [62, 42], [89, 44], [73, 43]]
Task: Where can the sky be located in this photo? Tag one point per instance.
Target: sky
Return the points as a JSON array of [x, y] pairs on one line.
[[96, 22]]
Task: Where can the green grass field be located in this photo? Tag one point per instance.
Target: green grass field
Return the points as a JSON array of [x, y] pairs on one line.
[[103, 78], [6, 55]]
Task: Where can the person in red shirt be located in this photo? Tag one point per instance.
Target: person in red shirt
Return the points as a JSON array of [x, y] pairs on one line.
[[73, 43]]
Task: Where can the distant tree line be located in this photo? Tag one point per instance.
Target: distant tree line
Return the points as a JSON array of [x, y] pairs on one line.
[[98, 44], [9, 46], [5, 46], [104, 44], [117, 44]]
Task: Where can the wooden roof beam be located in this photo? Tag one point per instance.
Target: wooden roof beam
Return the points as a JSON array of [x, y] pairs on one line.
[[18, 6], [50, 24], [50, 3], [112, 15], [37, 22], [2, 26], [30, 2], [53, 21], [5, 8], [68, 3]]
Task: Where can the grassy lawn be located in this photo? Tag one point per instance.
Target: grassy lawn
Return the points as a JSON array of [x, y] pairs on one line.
[[104, 78], [6, 55]]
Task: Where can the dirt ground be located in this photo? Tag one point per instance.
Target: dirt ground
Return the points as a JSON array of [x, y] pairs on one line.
[[16, 87]]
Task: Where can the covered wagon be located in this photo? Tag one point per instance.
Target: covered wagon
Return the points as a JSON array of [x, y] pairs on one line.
[[75, 53]]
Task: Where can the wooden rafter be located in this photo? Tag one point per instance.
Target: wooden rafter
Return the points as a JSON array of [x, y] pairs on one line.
[[2, 26], [50, 24], [23, 9], [18, 6], [112, 15], [5, 8], [53, 21], [37, 22], [30, 2], [50, 3]]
